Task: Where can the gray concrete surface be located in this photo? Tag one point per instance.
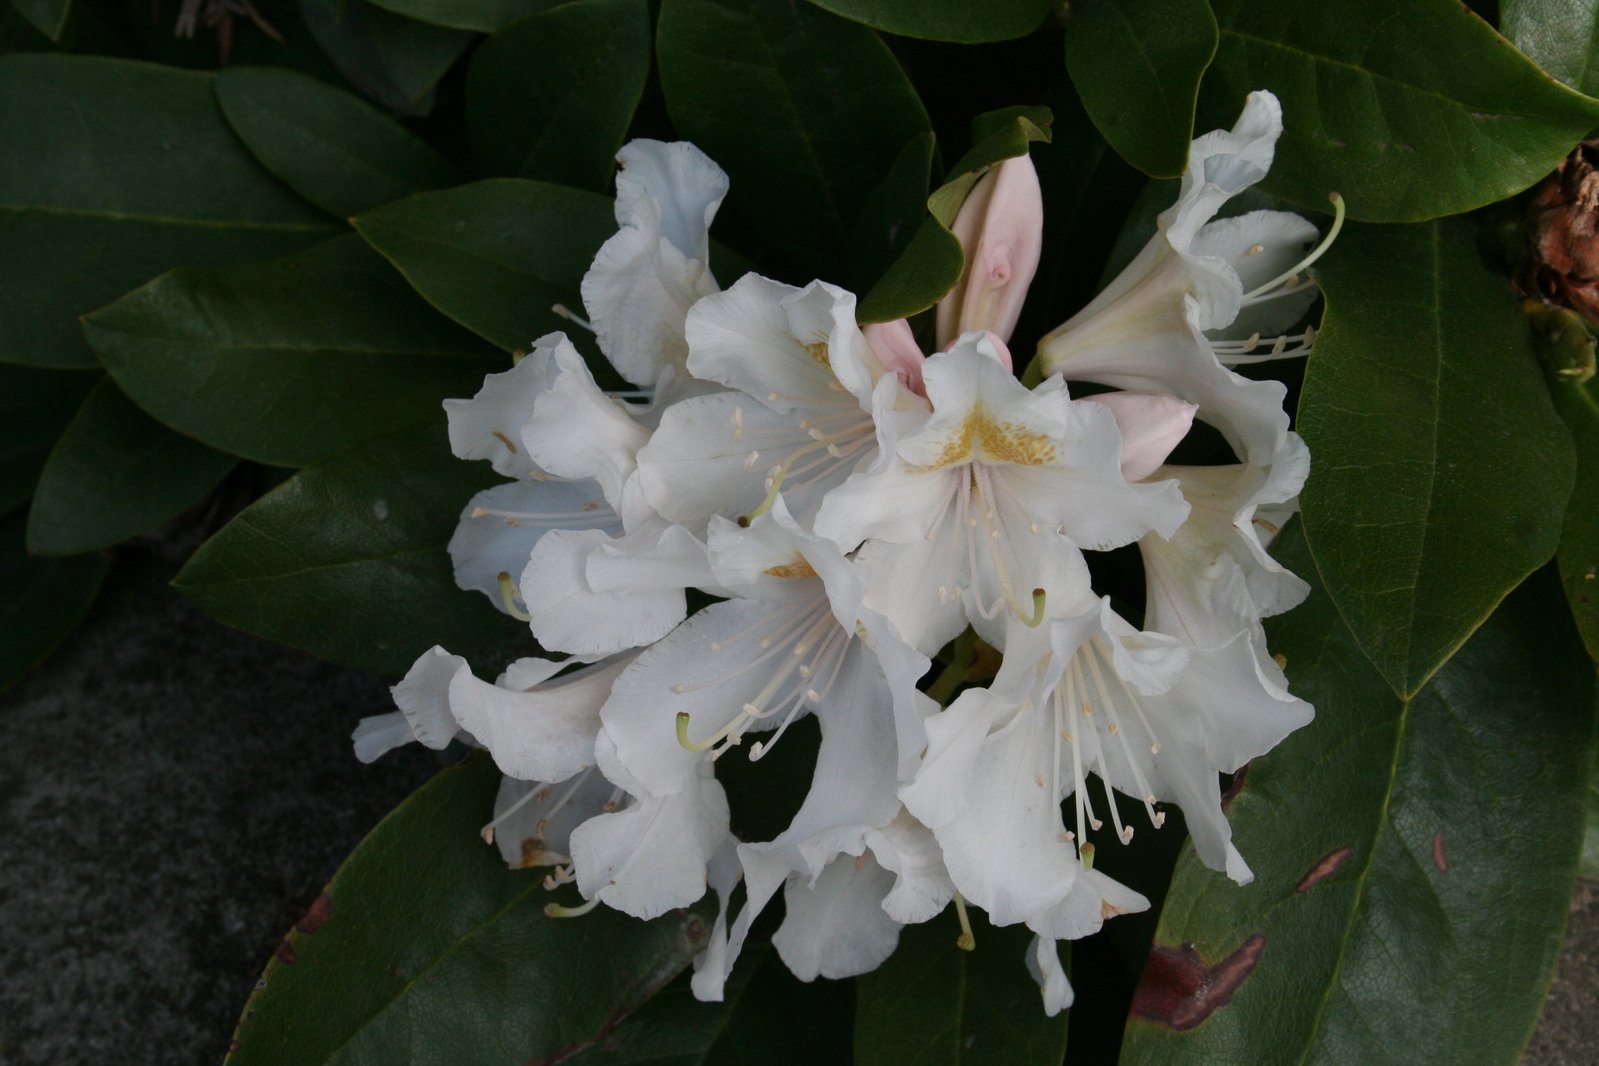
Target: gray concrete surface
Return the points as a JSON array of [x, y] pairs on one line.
[[172, 796]]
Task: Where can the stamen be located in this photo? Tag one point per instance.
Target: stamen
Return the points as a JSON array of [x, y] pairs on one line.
[[966, 941], [1315, 253], [555, 910], [507, 600], [566, 313], [710, 741]]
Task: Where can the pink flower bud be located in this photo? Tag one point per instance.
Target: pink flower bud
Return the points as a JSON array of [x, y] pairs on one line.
[[1001, 229], [895, 347], [1151, 424]]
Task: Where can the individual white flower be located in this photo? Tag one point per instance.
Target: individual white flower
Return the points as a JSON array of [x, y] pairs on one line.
[[792, 640], [1152, 717], [1203, 293], [647, 276], [535, 725], [799, 418], [983, 503]]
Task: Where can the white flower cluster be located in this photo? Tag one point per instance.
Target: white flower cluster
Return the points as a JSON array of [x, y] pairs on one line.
[[852, 505]]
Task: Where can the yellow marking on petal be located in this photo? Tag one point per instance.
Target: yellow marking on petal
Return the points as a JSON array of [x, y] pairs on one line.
[[818, 352], [980, 436], [798, 568]]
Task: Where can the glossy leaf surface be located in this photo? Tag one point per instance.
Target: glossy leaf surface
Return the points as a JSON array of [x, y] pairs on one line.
[[1411, 112], [346, 560], [551, 97], [498, 280], [1411, 882], [1137, 65], [425, 948], [932, 1004], [332, 148], [945, 20], [113, 172], [1561, 36], [1578, 554], [776, 93], [1439, 471], [287, 360], [114, 473]]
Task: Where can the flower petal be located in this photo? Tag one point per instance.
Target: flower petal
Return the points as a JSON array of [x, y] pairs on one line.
[[500, 527], [1151, 425], [836, 927], [1001, 229]]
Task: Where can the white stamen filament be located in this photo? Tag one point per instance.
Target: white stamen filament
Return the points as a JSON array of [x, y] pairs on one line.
[[1292, 273]]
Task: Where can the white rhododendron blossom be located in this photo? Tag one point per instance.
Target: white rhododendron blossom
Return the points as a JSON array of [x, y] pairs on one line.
[[794, 515]]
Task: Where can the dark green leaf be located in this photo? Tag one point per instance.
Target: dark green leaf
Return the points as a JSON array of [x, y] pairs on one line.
[[1561, 36], [286, 360], [35, 406], [1589, 865], [805, 111], [116, 472], [551, 97], [932, 263], [425, 948], [498, 280], [49, 17], [330, 147], [113, 172], [932, 1004], [1411, 112], [397, 61], [346, 560], [1137, 64], [485, 16], [945, 20], [1439, 469], [43, 600], [1578, 554], [892, 213], [768, 1017], [1413, 860]]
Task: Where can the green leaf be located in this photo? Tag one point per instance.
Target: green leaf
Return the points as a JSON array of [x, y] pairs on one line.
[[932, 263], [1411, 112], [932, 1004], [35, 407], [1137, 64], [551, 97], [43, 600], [346, 560], [486, 16], [1413, 859], [284, 361], [330, 147], [1561, 36], [497, 280], [805, 111], [113, 172], [945, 20], [396, 61], [1439, 469], [425, 948], [767, 1016], [116, 472], [1588, 866], [1578, 554], [49, 17]]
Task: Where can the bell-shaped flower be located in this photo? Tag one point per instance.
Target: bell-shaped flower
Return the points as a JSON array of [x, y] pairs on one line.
[[535, 725], [1001, 229], [799, 418], [1203, 293], [981, 505], [647, 276], [792, 640]]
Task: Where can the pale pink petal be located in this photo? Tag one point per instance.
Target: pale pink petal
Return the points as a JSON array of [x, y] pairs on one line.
[[1151, 424], [1001, 229]]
